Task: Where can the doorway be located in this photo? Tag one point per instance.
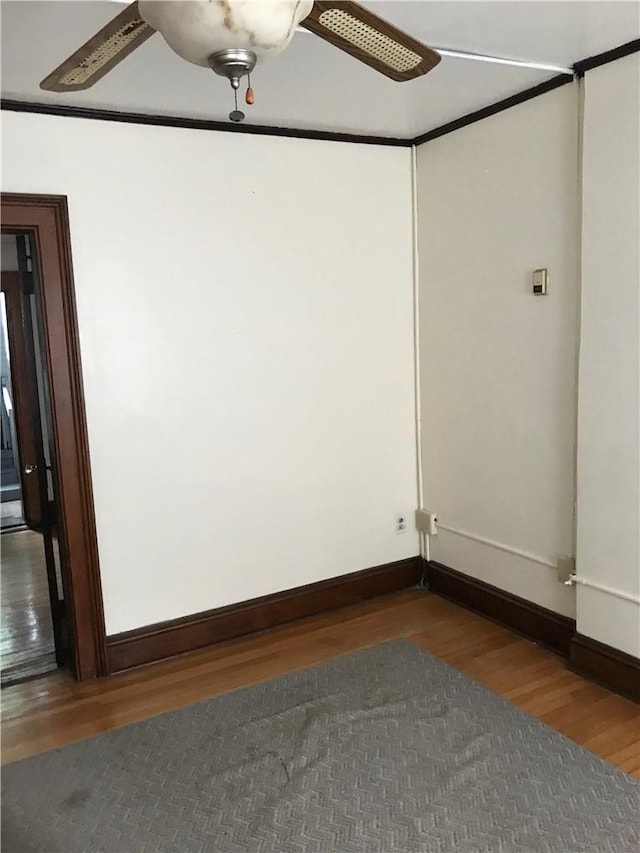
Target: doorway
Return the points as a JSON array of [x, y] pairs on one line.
[[32, 629], [52, 614]]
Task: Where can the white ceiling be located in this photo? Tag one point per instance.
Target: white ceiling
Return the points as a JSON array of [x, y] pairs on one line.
[[313, 85]]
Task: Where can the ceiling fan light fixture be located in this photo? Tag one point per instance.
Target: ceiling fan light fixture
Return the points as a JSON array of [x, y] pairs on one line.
[[196, 29]]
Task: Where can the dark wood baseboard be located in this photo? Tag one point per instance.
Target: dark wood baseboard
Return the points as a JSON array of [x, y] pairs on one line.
[[167, 639], [545, 627], [603, 664], [608, 666]]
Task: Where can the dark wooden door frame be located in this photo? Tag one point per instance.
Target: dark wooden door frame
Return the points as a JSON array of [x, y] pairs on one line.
[[46, 220]]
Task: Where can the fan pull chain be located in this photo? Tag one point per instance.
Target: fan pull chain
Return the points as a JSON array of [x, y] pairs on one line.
[[237, 115], [249, 97]]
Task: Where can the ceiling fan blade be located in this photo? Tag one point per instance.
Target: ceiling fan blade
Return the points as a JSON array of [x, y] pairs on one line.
[[372, 40], [101, 53]]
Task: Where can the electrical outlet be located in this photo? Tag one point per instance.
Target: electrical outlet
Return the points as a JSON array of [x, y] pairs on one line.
[[566, 568], [427, 522], [401, 523]]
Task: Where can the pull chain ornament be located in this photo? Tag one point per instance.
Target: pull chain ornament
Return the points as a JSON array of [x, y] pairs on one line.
[[249, 97]]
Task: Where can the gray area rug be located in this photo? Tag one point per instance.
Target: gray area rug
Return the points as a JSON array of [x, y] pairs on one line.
[[386, 750]]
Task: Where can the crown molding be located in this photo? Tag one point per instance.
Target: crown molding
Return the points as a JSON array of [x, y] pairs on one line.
[[68, 111], [579, 69], [492, 109]]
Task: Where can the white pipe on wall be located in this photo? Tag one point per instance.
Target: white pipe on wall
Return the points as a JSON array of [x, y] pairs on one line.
[[543, 561], [534, 558], [424, 539], [608, 590]]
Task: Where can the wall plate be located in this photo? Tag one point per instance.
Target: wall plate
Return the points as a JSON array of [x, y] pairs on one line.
[[540, 282]]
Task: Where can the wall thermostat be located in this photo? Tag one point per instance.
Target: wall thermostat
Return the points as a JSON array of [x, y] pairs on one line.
[[540, 281]]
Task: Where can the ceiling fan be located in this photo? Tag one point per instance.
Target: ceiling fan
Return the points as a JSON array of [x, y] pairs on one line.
[[231, 36]]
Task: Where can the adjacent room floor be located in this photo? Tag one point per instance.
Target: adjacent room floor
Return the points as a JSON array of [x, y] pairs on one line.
[[11, 514], [53, 710], [26, 630]]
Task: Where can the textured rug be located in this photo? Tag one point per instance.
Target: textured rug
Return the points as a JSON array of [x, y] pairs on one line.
[[382, 751]]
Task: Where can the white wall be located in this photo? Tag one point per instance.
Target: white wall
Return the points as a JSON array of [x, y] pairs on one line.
[[498, 199], [245, 315], [608, 547]]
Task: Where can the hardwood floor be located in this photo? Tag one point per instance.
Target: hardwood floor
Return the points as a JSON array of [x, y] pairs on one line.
[[26, 628], [52, 711]]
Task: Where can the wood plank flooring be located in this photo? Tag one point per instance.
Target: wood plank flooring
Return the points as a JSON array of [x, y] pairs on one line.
[[54, 710], [26, 627]]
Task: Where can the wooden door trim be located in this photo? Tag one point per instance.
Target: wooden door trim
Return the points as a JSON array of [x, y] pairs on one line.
[[46, 219]]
